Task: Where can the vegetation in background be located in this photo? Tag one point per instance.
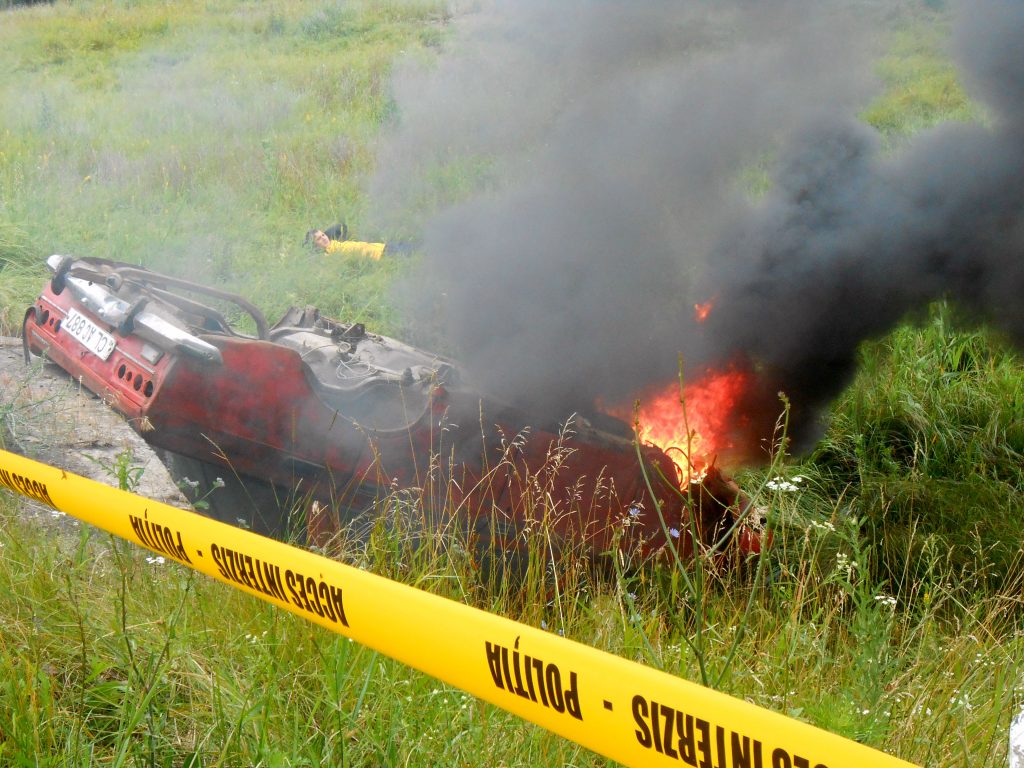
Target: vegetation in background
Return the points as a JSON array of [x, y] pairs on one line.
[[922, 87], [204, 139]]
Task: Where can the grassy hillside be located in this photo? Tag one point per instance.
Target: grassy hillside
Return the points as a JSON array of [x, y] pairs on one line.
[[200, 138], [205, 138]]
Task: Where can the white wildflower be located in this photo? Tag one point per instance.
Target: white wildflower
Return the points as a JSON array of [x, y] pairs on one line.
[[779, 483], [845, 565]]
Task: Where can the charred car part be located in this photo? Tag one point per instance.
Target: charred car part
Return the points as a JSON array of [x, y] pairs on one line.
[[316, 415]]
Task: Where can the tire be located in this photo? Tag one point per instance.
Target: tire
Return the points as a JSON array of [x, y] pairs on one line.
[[238, 500]]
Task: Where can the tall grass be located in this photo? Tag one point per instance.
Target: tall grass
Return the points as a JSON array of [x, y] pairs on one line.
[[204, 138], [19, 279], [929, 442], [116, 658]]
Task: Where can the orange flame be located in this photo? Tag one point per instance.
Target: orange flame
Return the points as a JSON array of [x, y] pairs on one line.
[[695, 436], [701, 311]]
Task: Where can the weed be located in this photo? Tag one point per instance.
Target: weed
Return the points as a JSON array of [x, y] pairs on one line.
[[122, 468]]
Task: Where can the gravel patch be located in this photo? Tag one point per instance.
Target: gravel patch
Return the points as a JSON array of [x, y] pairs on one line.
[[47, 416]]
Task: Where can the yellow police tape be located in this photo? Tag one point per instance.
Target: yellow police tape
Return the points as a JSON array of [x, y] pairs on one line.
[[618, 708]]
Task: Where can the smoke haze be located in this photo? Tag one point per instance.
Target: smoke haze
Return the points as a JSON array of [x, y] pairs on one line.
[[850, 240], [620, 139]]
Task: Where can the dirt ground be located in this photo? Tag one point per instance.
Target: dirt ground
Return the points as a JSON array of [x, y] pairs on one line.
[[45, 415]]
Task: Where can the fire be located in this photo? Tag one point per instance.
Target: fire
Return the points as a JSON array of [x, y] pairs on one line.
[[695, 436], [701, 311]]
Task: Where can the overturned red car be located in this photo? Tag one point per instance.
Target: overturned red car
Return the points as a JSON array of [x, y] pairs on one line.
[[311, 417]]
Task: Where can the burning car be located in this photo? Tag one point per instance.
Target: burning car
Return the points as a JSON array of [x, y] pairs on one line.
[[312, 417]]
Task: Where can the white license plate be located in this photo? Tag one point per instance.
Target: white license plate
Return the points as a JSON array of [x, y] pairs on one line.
[[95, 339]]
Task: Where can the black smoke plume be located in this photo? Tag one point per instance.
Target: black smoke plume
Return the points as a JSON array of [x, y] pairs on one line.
[[618, 140], [850, 239]]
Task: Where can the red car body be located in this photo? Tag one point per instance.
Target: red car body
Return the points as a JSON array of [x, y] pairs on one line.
[[314, 410]]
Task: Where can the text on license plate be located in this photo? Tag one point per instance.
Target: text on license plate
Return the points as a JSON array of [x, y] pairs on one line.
[[96, 340]]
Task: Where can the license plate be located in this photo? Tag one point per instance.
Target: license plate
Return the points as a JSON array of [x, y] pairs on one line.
[[95, 339]]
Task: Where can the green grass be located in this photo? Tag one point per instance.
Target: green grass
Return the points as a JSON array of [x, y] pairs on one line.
[[154, 135], [19, 278], [930, 439], [204, 138], [113, 659], [922, 87]]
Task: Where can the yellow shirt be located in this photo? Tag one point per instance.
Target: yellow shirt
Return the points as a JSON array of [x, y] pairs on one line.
[[356, 248]]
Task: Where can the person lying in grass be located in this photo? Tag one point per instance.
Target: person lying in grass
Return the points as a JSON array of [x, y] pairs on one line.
[[335, 240]]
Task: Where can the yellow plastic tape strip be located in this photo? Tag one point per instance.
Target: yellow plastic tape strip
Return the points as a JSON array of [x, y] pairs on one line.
[[623, 710]]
